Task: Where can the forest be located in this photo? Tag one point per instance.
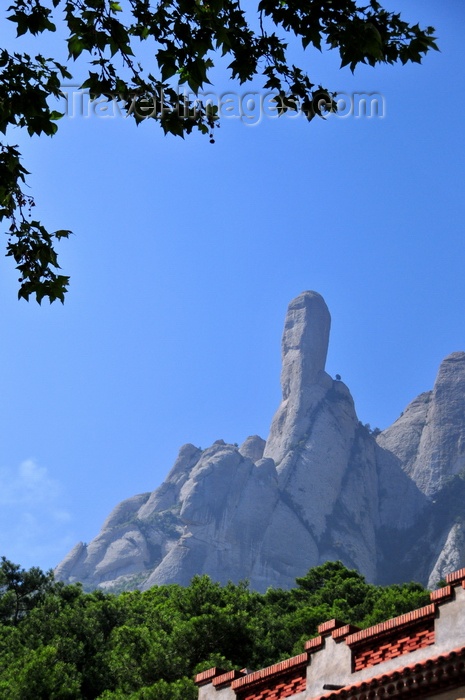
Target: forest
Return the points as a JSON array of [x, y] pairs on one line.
[[59, 642]]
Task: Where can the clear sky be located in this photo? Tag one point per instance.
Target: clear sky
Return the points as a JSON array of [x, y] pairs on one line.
[[184, 258]]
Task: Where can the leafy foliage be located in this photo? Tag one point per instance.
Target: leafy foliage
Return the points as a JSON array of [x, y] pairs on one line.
[[185, 36], [21, 591], [61, 643]]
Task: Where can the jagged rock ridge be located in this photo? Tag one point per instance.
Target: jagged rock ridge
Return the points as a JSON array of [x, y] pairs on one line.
[[321, 487]]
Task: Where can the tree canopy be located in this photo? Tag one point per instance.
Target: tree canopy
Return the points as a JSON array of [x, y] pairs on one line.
[[186, 38], [148, 646]]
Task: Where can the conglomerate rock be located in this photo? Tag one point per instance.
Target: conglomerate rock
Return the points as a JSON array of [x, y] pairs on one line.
[[321, 487]]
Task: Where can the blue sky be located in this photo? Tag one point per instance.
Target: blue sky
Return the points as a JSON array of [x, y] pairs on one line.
[[184, 258]]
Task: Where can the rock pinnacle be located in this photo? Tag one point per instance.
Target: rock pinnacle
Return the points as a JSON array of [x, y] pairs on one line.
[[303, 379], [305, 342]]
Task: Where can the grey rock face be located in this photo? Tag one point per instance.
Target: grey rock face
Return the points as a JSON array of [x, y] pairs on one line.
[[429, 438], [428, 441], [253, 448], [321, 487], [451, 556], [304, 382]]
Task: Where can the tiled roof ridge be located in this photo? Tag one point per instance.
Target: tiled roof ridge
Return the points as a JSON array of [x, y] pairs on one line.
[[227, 678], [314, 644], [340, 630], [456, 577], [338, 633], [394, 623], [440, 595], [274, 670], [208, 675], [407, 681], [329, 626]]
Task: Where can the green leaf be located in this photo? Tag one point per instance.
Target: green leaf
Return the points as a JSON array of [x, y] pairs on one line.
[[75, 46]]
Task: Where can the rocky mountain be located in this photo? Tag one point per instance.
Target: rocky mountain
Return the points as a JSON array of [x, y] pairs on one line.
[[321, 487]]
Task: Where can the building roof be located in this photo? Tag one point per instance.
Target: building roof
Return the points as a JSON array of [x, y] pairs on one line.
[[418, 654], [437, 673]]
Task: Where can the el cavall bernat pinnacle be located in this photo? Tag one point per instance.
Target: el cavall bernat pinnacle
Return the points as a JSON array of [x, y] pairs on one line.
[[320, 487]]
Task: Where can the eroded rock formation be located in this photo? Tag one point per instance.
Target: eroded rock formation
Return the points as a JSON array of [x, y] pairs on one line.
[[321, 487]]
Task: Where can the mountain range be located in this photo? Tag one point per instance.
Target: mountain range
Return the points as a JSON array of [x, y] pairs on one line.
[[322, 487]]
